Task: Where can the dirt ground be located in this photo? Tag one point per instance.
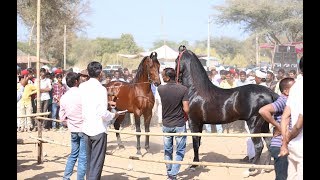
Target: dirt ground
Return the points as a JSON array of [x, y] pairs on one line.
[[213, 149]]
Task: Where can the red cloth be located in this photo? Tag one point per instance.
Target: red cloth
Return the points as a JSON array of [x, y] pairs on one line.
[[58, 71], [24, 72]]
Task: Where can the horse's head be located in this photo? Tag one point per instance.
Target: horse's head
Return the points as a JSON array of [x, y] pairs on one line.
[[152, 64], [182, 66]]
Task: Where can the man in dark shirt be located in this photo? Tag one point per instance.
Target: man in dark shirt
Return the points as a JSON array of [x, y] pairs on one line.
[[175, 102]]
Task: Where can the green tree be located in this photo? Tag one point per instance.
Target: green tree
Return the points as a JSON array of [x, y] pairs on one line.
[[128, 45], [54, 16], [239, 61], [272, 18]]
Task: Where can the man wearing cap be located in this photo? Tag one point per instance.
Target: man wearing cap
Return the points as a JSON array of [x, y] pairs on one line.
[[24, 104], [260, 78], [271, 80]]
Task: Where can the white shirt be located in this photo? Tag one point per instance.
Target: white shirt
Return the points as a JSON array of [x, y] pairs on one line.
[[95, 114], [295, 102], [44, 83]]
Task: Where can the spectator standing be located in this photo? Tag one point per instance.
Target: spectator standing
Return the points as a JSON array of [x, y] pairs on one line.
[[176, 100], [96, 118], [292, 142], [70, 112], [57, 91], [272, 114]]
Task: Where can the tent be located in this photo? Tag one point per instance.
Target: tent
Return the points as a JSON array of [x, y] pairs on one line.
[[164, 52]]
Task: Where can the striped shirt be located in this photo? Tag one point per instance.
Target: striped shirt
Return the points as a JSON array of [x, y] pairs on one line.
[[278, 106]]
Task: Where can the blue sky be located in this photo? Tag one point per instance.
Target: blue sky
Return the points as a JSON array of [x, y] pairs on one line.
[[182, 20]]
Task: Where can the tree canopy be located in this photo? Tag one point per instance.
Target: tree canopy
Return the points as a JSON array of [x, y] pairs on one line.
[[275, 19]]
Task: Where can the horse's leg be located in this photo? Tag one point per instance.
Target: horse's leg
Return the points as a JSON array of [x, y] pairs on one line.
[[138, 129], [255, 126], [265, 129], [116, 125], [147, 121], [195, 128]]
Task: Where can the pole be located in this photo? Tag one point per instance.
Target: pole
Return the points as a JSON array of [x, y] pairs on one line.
[[257, 50], [30, 37], [65, 47], [40, 155]]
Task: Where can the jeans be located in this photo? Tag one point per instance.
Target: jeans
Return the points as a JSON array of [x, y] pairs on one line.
[[208, 128], [280, 163], [78, 151], [55, 109], [219, 128], [173, 169]]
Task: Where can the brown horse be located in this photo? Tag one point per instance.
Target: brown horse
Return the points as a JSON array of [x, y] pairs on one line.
[[137, 97]]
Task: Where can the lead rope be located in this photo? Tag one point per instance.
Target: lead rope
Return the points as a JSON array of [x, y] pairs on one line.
[[178, 68]]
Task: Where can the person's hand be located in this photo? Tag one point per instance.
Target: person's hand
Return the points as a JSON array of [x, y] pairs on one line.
[[24, 81], [116, 115], [284, 150], [276, 132]]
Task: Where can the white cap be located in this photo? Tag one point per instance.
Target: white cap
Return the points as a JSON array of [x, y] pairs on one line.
[[261, 74]]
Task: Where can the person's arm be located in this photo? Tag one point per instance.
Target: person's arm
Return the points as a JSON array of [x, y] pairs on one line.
[[185, 106], [285, 119], [296, 128], [267, 112], [62, 113], [23, 82], [19, 93]]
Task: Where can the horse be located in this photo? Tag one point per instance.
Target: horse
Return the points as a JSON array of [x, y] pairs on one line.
[[210, 104], [137, 96]]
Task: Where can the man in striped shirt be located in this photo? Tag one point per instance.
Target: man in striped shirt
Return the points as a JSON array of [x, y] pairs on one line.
[[272, 113]]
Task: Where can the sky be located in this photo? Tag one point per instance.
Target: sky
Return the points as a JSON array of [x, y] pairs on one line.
[[152, 20]]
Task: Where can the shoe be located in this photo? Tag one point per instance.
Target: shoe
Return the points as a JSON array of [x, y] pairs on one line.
[[245, 159], [172, 178]]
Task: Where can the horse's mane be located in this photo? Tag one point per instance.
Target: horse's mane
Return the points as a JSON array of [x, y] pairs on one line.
[[140, 70], [200, 79]]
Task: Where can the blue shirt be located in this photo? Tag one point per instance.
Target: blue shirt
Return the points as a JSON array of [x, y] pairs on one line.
[[278, 106]]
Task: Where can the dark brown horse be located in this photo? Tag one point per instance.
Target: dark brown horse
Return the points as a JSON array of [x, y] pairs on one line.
[[137, 97], [210, 104]]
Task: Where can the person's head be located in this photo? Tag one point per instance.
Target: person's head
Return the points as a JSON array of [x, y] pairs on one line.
[[84, 76], [285, 85], [260, 76], [116, 74], [59, 78], [301, 65], [108, 78], [130, 78], [270, 76], [281, 74], [243, 76], [223, 74], [168, 74], [72, 79], [293, 73], [43, 72], [228, 76], [94, 69], [126, 72], [209, 73]]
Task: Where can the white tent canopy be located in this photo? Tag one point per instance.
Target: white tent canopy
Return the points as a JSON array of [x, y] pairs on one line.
[[164, 52]]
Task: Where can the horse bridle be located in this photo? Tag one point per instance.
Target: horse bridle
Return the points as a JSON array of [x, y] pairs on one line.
[[178, 67]]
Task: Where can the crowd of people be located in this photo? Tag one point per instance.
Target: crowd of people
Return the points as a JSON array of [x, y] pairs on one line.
[[79, 100]]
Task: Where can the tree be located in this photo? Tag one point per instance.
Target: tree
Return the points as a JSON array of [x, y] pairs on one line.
[[54, 16], [272, 18], [128, 45]]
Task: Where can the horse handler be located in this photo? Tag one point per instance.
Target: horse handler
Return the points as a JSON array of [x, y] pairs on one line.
[[175, 101]]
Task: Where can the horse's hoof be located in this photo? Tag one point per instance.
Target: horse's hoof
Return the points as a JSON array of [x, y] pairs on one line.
[[139, 153], [192, 168], [121, 146], [147, 149]]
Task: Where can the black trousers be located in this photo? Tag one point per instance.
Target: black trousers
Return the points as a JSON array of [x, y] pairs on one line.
[[96, 147]]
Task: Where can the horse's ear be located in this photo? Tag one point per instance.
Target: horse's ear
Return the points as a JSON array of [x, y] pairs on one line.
[[154, 55], [182, 48]]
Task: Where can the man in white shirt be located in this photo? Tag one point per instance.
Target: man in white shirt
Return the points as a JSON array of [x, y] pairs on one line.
[[96, 118], [292, 141]]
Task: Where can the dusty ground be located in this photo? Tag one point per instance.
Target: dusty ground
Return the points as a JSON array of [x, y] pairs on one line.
[[213, 149]]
